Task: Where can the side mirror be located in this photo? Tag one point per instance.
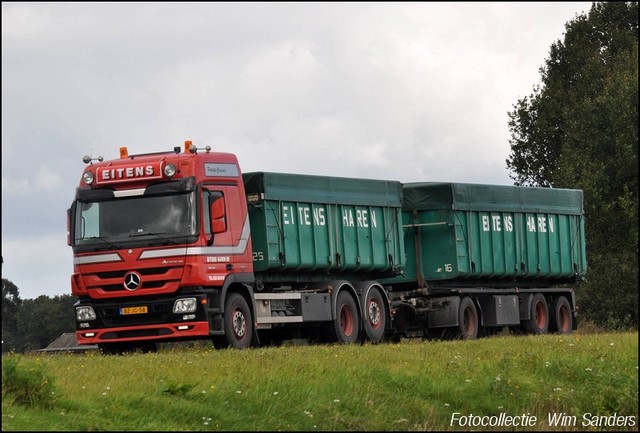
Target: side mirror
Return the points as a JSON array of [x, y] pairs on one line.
[[69, 226]]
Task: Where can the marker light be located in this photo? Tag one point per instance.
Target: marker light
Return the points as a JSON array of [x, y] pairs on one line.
[[187, 146], [124, 152], [88, 177], [169, 170]]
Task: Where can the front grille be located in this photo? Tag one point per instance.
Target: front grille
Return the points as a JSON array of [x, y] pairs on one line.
[[121, 274], [152, 278]]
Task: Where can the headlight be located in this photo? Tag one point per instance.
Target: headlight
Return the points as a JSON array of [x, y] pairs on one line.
[[85, 313], [186, 305], [169, 170], [88, 177]]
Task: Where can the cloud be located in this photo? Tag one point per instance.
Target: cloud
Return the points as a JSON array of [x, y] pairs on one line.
[[38, 265], [404, 91]]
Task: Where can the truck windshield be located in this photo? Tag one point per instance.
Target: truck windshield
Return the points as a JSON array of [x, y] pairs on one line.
[[150, 219]]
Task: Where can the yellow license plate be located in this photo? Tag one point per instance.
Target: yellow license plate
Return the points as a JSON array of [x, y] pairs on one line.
[[133, 310]]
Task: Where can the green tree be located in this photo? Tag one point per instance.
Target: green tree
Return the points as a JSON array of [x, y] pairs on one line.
[[44, 319], [32, 324], [579, 129], [11, 304]]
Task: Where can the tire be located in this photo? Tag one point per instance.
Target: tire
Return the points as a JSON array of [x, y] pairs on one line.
[[345, 328], [469, 324], [238, 323], [538, 323], [561, 317], [375, 316]]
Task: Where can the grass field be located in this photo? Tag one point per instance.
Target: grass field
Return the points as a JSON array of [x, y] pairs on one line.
[[527, 383]]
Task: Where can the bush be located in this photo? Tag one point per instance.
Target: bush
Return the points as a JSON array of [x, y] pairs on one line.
[[30, 387]]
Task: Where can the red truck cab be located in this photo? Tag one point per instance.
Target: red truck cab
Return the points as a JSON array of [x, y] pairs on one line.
[[157, 241]]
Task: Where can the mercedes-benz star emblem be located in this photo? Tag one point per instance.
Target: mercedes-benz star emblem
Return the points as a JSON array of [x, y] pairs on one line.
[[131, 281]]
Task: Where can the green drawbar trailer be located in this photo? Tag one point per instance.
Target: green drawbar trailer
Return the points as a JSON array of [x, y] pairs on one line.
[[308, 228], [470, 234]]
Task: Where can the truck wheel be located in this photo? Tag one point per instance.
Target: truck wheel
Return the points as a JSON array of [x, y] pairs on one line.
[[375, 319], [561, 318], [238, 323], [346, 326], [468, 319], [539, 321]]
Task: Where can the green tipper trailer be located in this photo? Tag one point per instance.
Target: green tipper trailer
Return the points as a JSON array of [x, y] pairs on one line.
[[462, 234], [307, 228], [480, 257], [319, 246]]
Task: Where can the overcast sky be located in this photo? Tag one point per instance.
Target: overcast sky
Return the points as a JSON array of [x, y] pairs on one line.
[[401, 91]]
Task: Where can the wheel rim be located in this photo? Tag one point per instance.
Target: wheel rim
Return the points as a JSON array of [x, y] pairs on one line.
[[374, 313], [346, 320], [468, 322], [239, 323], [563, 318], [541, 315]]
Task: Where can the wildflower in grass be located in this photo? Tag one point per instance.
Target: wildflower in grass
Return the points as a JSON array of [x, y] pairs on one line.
[[588, 369], [238, 392], [446, 405], [498, 378], [557, 389], [275, 392]]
